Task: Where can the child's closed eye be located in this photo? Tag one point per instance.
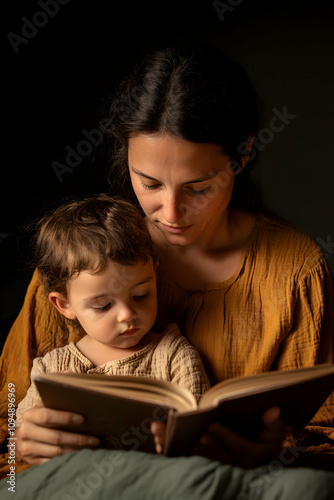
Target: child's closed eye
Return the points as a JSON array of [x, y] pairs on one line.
[[103, 308]]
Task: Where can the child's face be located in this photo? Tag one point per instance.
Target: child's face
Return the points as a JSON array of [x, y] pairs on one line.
[[118, 306]]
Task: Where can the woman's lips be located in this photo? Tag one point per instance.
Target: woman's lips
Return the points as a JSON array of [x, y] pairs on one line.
[[129, 332], [175, 229]]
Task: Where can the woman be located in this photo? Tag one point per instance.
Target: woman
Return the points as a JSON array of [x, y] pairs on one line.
[[251, 292]]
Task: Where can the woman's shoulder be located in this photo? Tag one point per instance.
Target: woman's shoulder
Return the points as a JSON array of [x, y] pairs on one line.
[[277, 230], [284, 244]]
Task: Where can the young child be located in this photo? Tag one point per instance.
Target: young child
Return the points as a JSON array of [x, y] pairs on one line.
[[97, 264]]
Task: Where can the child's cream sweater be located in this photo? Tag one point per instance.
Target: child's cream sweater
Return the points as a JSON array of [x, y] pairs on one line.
[[169, 357]]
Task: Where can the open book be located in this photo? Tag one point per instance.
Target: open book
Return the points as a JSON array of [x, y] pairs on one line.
[[120, 409]]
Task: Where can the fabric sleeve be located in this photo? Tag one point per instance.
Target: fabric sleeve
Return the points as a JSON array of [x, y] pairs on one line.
[[310, 342], [32, 397], [37, 330], [186, 369]]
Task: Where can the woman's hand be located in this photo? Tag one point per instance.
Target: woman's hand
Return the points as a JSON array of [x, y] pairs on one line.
[[222, 444], [39, 439]]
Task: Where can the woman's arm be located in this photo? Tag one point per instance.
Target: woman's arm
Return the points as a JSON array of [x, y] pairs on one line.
[[39, 437], [35, 331], [309, 342]]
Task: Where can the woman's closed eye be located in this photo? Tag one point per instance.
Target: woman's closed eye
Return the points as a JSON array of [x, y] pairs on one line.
[[150, 186], [200, 191], [191, 190], [138, 298]]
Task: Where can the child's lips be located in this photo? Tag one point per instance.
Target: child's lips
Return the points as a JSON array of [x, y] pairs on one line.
[[129, 332]]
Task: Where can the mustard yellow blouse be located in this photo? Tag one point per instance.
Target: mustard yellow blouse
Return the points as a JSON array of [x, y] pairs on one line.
[[275, 313]]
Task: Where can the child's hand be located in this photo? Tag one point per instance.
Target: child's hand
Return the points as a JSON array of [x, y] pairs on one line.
[[158, 430]]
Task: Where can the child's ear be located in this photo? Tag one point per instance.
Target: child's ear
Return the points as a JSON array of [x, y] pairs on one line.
[[61, 304]]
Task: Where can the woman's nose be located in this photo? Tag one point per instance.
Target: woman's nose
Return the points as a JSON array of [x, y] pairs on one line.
[[126, 313], [174, 208]]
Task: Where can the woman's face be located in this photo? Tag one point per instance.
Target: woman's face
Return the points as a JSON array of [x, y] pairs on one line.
[[183, 187]]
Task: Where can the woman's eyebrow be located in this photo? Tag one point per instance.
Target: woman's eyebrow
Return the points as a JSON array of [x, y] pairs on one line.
[[143, 175], [201, 179]]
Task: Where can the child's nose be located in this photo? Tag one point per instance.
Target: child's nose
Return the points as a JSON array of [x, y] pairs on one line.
[[126, 313]]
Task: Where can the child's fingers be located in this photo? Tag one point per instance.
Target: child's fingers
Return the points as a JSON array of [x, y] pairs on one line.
[[158, 430]]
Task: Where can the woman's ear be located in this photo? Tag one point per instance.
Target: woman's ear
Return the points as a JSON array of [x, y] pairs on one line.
[[247, 150], [62, 305]]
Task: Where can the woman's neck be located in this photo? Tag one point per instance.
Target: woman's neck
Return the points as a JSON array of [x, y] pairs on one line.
[[194, 266]]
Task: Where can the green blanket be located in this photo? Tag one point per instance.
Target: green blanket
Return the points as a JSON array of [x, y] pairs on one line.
[[132, 475]]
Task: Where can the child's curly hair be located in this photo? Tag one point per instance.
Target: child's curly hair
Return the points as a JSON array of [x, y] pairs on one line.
[[85, 234]]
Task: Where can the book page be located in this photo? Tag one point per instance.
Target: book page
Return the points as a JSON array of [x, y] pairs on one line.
[[136, 388], [262, 382]]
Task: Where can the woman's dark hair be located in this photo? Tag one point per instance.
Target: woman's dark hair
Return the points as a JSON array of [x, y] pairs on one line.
[[84, 234], [193, 93]]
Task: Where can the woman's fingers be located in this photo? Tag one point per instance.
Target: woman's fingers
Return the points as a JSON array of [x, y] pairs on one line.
[[55, 437], [39, 437], [221, 443], [271, 439], [234, 449], [271, 419], [40, 415], [273, 426], [210, 447], [43, 443], [37, 452]]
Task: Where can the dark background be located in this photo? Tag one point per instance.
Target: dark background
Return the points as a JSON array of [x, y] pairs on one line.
[[56, 82]]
